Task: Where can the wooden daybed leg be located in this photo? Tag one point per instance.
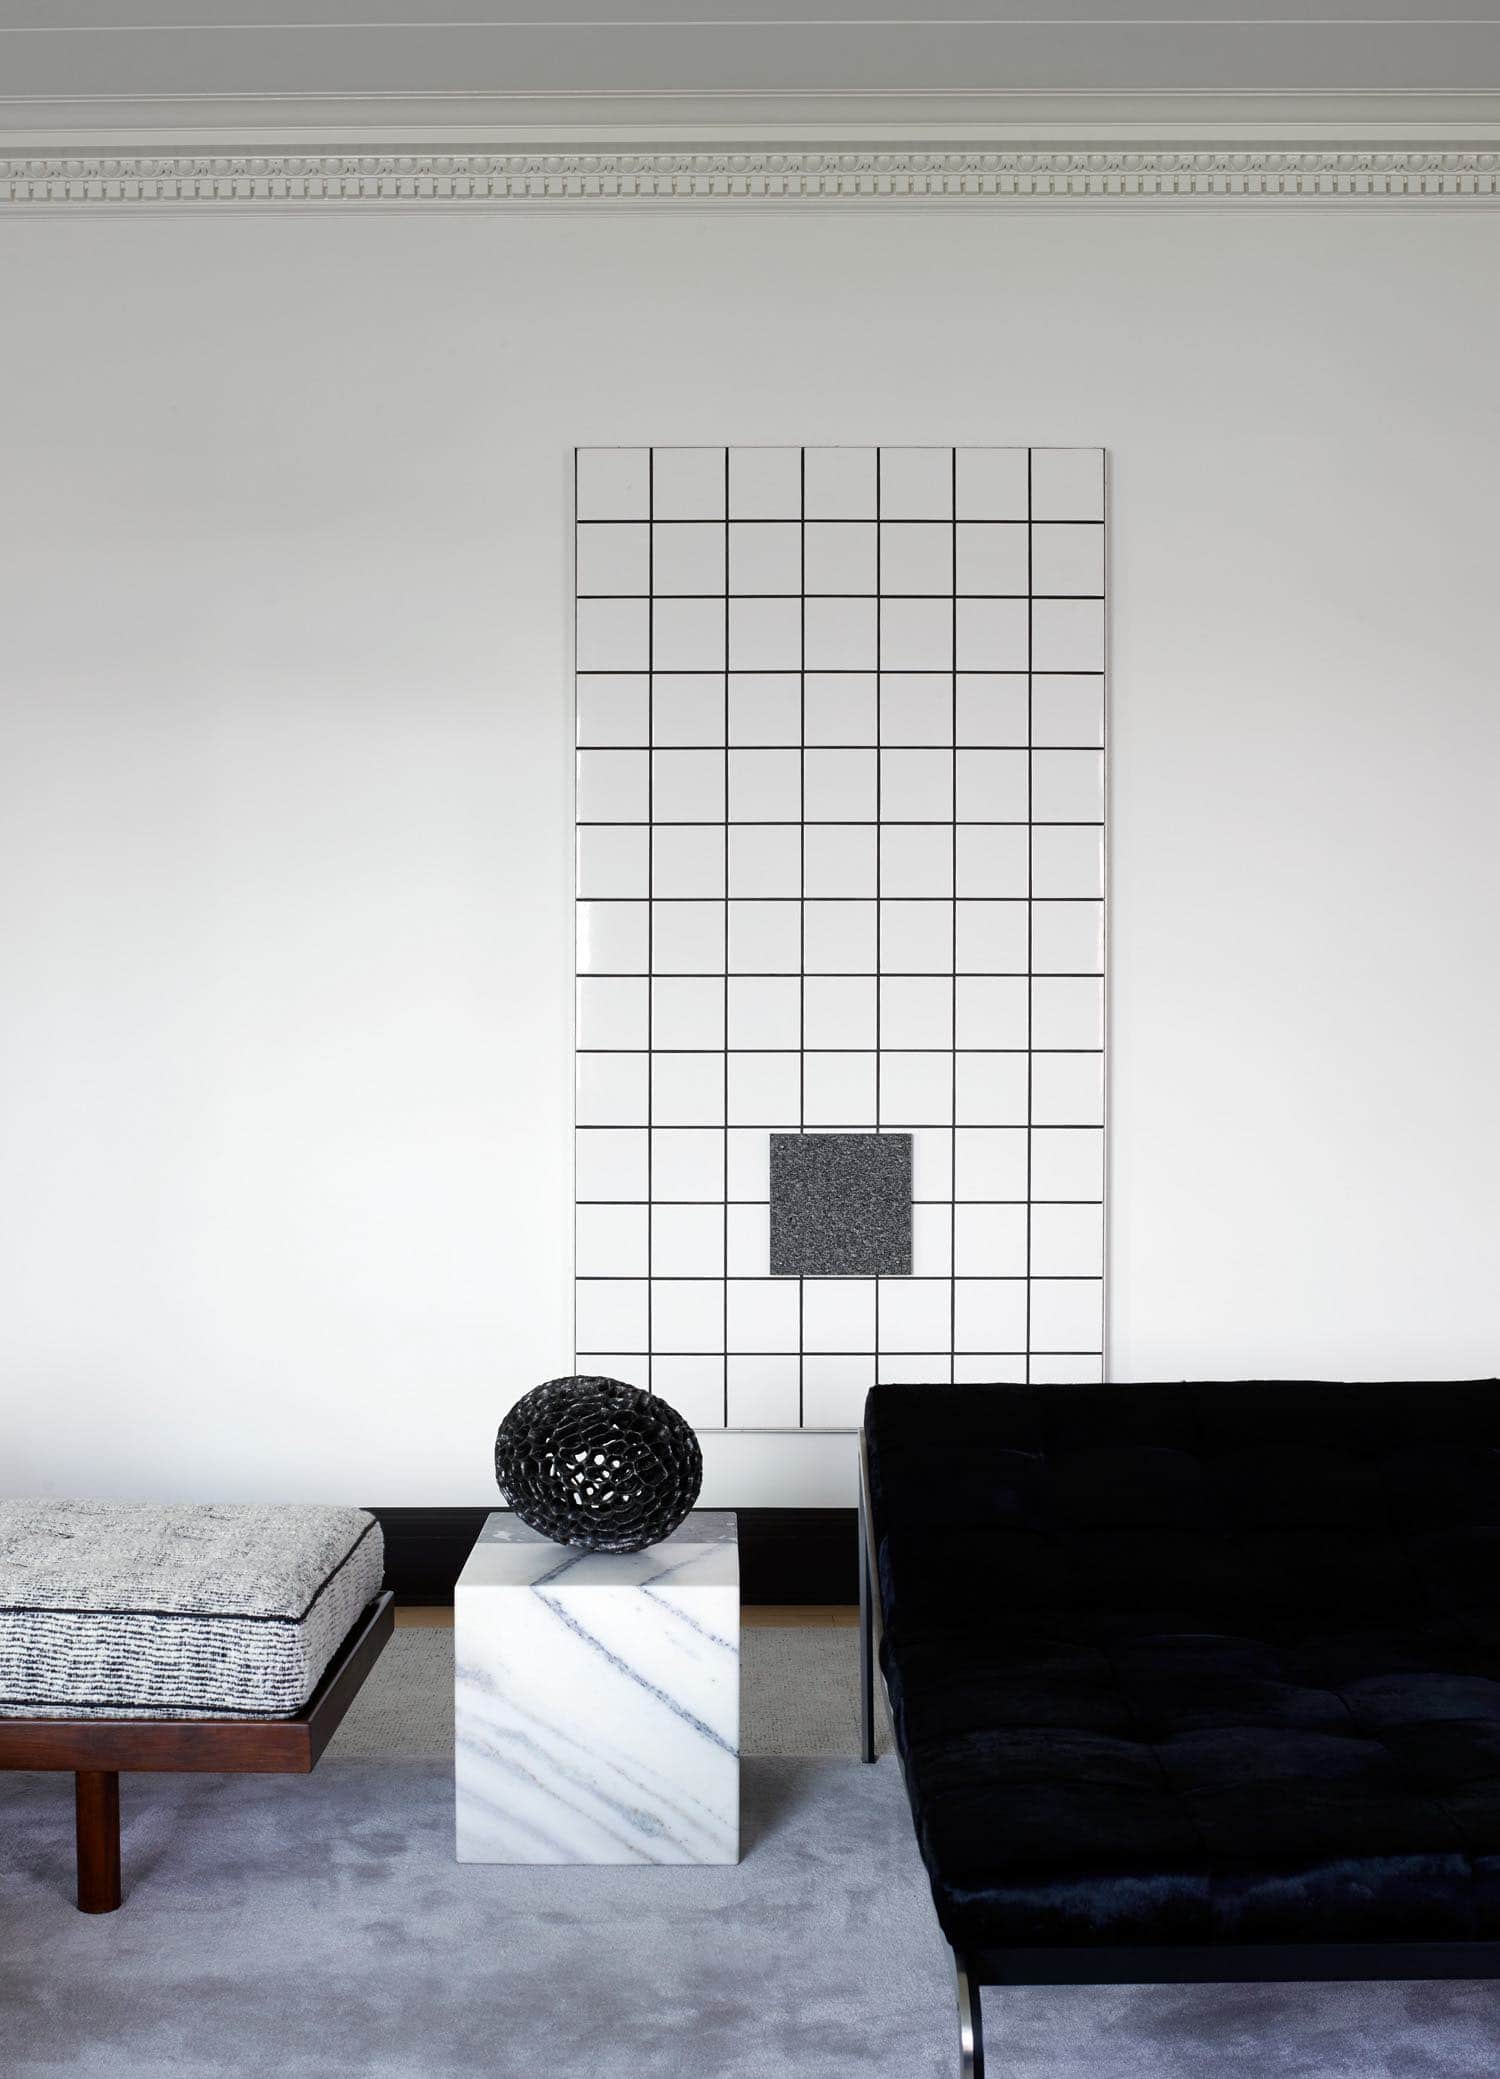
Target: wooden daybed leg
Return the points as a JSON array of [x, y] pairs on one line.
[[97, 1800], [970, 2021]]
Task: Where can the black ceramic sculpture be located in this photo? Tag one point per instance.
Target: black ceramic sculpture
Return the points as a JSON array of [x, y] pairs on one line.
[[598, 1464]]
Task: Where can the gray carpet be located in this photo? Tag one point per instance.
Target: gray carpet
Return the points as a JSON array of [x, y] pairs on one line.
[[319, 1928]]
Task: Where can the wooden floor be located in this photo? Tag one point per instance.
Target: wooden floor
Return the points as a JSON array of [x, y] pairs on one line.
[[801, 1616]]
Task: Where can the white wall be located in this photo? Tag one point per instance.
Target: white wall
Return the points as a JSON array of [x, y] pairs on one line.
[[284, 785]]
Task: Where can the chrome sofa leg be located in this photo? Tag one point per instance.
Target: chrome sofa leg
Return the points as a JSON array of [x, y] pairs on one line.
[[970, 2022], [866, 1647]]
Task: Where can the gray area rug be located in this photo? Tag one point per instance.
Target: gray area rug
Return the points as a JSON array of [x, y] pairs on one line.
[[319, 1928]]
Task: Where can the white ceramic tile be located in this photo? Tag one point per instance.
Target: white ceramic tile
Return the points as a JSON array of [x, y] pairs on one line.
[[613, 635], [765, 634], [694, 1386], [613, 786], [990, 1241], [764, 557], [916, 483], [838, 1089], [839, 786], [834, 1390], [991, 859], [992, 708], [1067, 786], [991, 484], [748, 1155], [839, 635], [839, 708], [764, 1088], [840, 556], [748, 1241], [687, 708], [765, 707], [1067, 484], [613, 708], [612, 938], [839, 483], [686, 1089], [1067, 1162], [687, 938], [687, 1163], [763, 1314], [931, 1241], [839, 859], [764, 938], [687, 1011], [687, 1314], [916, 1010], [1067, 858], [686, 635], [610, 1241], [838, 1314], [991, 559], [687, 483], [915, 1314], [916, 556], [991, 937], [631, 1369], [765, 1010], [989, 1162], [610, 1314], [992, 634], [989, 1314], [765, 786], [610, 1165], [687, 786], [916, 859], [763, 1392], [991, 786], [1067, 1011], [765, 483], [1067, 635], [839, 937], [916, 1087], [687, 560], [838, 1011], [613, 483], [916, 708], [613, 1011], [916, 634], [989, 1368], [931, 1159], [916, 937], [613, 859], [990, 1089], [914, 1368], [990, 1011], [687, 1241], [1067, 710], [1066, 1314], [1067, 1090], [916, 786], [687, 859], [1067, 560], [614, 558], [1067, 1241], [1065, 1371], [1067, 938], [765, 859]]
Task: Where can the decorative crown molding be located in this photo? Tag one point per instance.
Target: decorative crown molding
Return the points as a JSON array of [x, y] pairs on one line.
[[1199, 174]]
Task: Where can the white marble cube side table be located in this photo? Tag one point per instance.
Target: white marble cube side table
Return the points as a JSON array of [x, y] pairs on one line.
[[597, 1698]]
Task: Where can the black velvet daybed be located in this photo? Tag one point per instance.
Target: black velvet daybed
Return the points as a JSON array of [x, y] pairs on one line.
[[1193, 1682]]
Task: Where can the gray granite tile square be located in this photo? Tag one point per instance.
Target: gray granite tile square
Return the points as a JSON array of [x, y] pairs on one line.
[[840, 1205]]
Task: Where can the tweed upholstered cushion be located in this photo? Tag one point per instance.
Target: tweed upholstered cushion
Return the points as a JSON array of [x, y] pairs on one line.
[[137, 1610]]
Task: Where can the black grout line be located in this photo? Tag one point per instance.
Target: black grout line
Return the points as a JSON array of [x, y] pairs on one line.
[[953, 952], [650, 875], [728, 808], [1030, 895]]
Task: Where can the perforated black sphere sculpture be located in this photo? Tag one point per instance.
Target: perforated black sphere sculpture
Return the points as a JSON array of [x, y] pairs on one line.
[[598, 1464]]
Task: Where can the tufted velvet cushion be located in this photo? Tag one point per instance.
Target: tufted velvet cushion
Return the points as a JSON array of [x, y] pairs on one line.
[[1196, 1664]]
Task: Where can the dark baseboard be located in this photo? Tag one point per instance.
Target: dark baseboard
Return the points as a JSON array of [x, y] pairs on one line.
[[786, 1555]]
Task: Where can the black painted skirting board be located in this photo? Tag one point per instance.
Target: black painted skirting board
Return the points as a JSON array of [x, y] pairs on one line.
[[786, 1555]]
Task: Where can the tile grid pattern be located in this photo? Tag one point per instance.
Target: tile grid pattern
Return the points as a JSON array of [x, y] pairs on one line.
[[840, 865]]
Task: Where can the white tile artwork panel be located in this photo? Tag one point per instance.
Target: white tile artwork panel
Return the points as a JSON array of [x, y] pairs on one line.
[[840, 825]]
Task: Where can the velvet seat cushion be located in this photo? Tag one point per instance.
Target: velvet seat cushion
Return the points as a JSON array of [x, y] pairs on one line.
[[1196, 1664]]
